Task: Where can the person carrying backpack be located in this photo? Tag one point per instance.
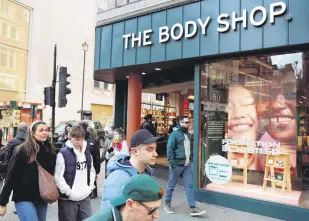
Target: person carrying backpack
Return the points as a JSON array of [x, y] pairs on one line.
[[7, 152]]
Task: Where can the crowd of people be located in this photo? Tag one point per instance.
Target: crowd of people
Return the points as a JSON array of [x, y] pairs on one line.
[[129, 192]]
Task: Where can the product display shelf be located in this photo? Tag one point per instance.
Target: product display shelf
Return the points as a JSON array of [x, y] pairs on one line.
[[243, 166], [274, 162], [162, 118]]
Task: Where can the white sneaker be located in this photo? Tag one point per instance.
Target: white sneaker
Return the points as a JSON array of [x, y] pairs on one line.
[[196, 211]]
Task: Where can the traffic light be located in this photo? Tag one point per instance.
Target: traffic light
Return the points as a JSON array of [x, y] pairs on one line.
[[49, 96], [63, 90]]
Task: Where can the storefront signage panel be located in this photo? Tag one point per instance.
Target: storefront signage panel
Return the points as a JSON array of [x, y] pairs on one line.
[[203, 28], [225, 23]]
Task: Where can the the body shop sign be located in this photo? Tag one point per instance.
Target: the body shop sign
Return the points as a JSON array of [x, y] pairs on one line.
[[225, 23]]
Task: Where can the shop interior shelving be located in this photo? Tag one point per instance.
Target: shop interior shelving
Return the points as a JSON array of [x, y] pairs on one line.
[[161, 115], [303, 149], [283, 170], [239, 165]]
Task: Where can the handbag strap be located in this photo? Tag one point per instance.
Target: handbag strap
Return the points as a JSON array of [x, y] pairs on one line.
[[37, 163]]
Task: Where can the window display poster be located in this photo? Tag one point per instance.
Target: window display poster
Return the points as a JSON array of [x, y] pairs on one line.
[[218, 170], [215, 134], [262, 119]]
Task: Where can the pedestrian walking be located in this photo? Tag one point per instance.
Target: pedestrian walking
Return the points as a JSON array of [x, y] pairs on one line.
[[74, 176], [123, 166], [22, 175], [180, 158], [140, 200], [7, 152], [65, 136], [95, 153], [147, 124], [1, 137], [118, 145], [107, 144]]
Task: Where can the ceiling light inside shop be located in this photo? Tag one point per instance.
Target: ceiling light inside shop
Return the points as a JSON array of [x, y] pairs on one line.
[[127, 76], [304, 97], [300, 102], [143, 73], [158, 69], [191, 97]]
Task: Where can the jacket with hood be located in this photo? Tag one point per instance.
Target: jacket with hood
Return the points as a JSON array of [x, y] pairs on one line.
[[119, 171], [18, 140], [8, 152], [112, 214], [82, 184]]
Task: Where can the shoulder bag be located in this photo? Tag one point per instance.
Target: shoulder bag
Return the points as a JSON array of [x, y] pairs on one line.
[[47, 185]]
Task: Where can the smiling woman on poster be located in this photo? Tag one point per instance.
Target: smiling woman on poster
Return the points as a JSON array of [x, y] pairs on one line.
[[242, 119], [279, 113]]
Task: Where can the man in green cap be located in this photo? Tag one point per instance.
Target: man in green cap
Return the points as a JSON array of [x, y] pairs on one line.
[[140, 201]]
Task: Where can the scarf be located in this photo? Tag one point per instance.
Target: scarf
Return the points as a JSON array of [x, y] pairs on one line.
[[117, 145]]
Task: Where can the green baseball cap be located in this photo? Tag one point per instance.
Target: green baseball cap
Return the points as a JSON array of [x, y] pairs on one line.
[[141, 188]]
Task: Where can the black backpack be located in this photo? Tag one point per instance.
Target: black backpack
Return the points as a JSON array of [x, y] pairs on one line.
[[5, 157]]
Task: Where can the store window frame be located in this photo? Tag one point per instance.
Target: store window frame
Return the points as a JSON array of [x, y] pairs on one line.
[[265, 208]]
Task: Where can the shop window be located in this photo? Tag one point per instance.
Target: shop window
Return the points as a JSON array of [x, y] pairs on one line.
[[255, 128]]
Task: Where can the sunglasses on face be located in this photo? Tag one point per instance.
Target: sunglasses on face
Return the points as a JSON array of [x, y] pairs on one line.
[[150, 210]]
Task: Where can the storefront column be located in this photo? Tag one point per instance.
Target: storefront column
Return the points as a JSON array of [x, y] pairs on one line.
[[134, 104], [181, 105], [120, 104]]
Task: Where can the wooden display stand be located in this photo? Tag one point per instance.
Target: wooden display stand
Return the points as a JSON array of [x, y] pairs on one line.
[[244, 167], [285, 183]]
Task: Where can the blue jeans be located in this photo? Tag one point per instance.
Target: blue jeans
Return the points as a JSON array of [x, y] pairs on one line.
[[28, 211], [186, 175]]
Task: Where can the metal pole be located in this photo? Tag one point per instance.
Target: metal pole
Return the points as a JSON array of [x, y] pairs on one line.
[[54, 90], [82, 107]]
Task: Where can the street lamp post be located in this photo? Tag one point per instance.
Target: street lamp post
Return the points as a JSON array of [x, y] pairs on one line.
[[85, 49]]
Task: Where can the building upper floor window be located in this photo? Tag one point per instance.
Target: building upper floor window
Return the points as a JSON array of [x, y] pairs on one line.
[[4, 30], [96, 84], [7, 59], [103, 86], [4, 6]]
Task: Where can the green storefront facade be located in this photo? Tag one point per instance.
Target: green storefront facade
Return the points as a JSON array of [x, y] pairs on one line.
[[197, 35]]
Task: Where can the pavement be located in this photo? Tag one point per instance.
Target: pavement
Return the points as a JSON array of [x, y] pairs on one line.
[[214, 213]]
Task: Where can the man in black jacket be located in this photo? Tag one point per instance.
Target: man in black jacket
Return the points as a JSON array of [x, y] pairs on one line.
[[147, 124], [16, 141], [95, 153]]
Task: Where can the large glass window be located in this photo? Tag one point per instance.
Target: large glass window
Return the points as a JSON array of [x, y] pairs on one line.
[[254, 127]]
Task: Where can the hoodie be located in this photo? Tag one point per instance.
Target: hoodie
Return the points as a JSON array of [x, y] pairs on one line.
[[80, 189], [119, 171]]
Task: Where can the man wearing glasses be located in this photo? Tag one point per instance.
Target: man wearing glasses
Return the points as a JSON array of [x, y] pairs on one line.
[[180, 158], [140, 200]]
